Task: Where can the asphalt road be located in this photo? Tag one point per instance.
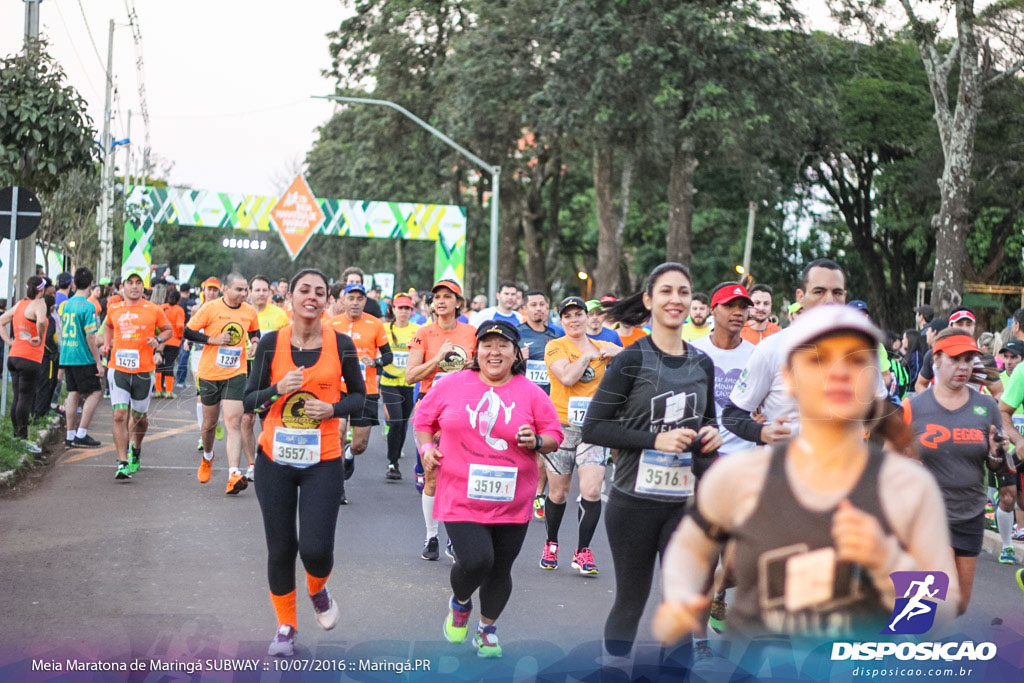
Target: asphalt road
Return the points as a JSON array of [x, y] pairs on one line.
[[162, 567]]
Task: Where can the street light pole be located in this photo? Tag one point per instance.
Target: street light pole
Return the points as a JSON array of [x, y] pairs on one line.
[[495, 171]]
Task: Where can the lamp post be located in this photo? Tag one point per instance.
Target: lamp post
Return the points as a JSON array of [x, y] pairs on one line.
[[585, 281], [495, 171]]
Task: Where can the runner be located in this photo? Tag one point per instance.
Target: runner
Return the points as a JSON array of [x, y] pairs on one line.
[[1011, 407], [210, 291], [730, 352], [176, 317], [596, 329], [81, 361], [437, 350], [134, 335], [760, 324], [986, 376], [49, 367], [225, 323], [818, 523], [294, 387], [24, 360], [535, 332], [956, 429], [354, 276], [367, 333], [656, 405], [506, 309], [394, 390], [492, 423], [699, 324], [576, 365]]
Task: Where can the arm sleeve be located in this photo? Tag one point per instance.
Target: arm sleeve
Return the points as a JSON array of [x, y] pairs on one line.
[[195, 336], [386, 356], [353, 376], [197, 322], [602, 426], [738, 421], [258, 390]]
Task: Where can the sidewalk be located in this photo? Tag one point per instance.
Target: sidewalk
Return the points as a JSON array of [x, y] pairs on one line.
[[993, 545]]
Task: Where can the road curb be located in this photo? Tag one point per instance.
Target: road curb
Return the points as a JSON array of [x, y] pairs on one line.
[[46, 437], [993, 544]]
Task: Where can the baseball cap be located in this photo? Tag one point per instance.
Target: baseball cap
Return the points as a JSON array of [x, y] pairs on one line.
[[608, 299], [956, 344], [104, 281], [502, 327], [795, 307], [730, 293], [63, 280], [570, 301], [402, 300], [1014, 346], [355, 287], [925, 310], [449, 284], [594, 305], [824, 320], [211, 282], [936, 325], [132, 274], [858, 305], [962, 315]]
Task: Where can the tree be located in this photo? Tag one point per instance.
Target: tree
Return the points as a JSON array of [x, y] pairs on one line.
[[69, 217]]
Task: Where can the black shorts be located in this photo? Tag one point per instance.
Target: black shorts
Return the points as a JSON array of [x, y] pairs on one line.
[[82, 379], [1003, 480], [367, 417], [212, 392], [967, 536]]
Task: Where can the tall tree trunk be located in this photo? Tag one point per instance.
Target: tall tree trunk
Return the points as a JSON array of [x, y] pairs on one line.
[[400, 284], [552, 256], [952, 222], [508, 237], [611, 223], [536, 273], [679, 236]]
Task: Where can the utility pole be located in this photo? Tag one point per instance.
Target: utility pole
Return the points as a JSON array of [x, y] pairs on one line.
[[26, 261], [749, 247], [103, 216]]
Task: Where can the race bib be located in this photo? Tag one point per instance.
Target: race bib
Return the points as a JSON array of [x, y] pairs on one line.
[[810, 579], [229, 357], [127, 359], [492, 482], [24, 336], [401, 359], [296, 447], [1018, 423], [537, 372], [665, 474], [578, 409]]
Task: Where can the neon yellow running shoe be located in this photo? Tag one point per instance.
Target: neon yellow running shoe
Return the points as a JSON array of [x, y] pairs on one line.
[[486, 642], [455, 625]]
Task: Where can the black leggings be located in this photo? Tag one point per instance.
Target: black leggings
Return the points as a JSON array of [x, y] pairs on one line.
[[24, 378], [398, 401], [170, 356], [45, 387], [637, 536], [485, 553], [277, 488]]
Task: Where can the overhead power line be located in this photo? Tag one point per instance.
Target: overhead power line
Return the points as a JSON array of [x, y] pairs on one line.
[[140, 75]]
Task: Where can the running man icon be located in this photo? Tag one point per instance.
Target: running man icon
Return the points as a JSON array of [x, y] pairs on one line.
[[920, 591]]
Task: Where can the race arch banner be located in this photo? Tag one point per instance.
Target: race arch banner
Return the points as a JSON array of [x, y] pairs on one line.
[[148, 207]]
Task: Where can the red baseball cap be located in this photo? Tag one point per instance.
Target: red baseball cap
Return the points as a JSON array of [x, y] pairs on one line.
[[608, 299], [960, 315], [449, 284], [402, 300], [956, 344], [731, 293]]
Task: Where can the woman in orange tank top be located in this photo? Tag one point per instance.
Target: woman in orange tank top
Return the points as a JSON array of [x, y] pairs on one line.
[[28, 323], [294, 387], [165, 371]]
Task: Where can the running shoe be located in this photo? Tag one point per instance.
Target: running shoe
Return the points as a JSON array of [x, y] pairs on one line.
[[1018, 533], [392, 474], [1008, 556], [86, 442], [283, 644], [1020, 579], [583, 560], [325, 608], [170, 394], [350, 462], [123, 471], [455, 624], [989, 507], [549, 558], [538, 507], [430, 549], [69, 443], [236, 484], [718, 613], [450, 551], [133, 459], [702, 651], [343, 500], [205, 469], [486, 642], [250, 473], [31, 447], [158, 394], [219, 433], [199, 446]]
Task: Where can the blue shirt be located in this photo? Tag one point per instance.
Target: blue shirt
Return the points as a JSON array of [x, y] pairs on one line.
[[77, 319], [607, 335], [534, 342]]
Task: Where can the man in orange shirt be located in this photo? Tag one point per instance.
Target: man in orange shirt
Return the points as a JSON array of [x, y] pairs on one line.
[[759, 326], [371, 341], [222, 372], [134, 332], [437, 349]]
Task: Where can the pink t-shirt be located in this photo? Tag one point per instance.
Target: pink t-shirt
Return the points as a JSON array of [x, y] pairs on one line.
[[484, 476]]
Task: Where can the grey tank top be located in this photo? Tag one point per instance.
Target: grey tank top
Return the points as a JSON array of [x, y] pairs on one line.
[[783, 586]]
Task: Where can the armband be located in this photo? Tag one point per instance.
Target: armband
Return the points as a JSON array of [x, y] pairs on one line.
[[712, 531]]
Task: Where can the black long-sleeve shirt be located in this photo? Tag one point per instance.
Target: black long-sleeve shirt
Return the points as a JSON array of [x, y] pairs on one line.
[[645, 392], [259, 390]]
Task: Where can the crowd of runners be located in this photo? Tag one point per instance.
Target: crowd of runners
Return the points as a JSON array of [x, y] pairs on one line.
[[797, 460]]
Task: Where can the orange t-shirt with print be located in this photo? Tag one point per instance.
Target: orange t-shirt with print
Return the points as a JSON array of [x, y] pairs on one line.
[[133, 325], [566, 348], [368, 335], [429, 340], [229, 360], [176, 316]]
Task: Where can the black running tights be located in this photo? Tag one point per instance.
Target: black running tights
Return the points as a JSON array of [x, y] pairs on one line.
[[485, 555], [637, 536], [278, 489], [399, 403], [24, 379]]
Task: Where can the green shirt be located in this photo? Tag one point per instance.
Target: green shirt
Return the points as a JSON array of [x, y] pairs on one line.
[[77, 319], [1013, 391]]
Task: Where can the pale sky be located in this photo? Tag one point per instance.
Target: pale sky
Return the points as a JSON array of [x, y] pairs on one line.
[[228, 82]]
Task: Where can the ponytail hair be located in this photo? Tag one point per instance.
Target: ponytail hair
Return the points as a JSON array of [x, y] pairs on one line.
[[885, 423], [631, 310], [34, 285]]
